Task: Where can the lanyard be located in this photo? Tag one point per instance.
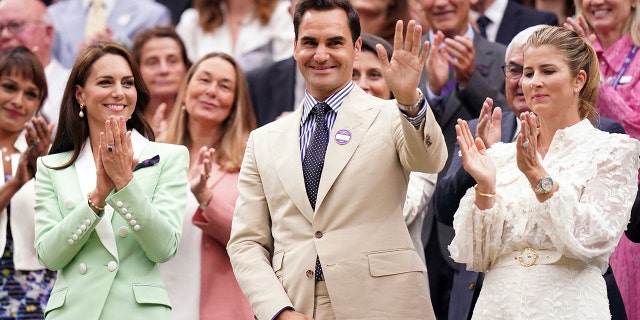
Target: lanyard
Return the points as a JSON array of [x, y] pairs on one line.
[[625, 65]]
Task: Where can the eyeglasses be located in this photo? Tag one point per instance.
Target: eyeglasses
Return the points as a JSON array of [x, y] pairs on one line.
[[15, 27], [512, 70]]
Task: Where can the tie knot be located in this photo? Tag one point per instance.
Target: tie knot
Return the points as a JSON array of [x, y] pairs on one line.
[[483, 21], [321, 109]]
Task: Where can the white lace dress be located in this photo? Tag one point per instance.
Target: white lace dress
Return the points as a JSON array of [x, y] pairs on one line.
[[597, 175]]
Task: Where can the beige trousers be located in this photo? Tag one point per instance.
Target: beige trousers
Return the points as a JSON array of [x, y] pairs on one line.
[[322, 306]]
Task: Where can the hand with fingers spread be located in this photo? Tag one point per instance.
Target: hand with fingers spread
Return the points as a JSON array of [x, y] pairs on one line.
[[402, 73], [116, 152], [581, 27], [158, 121], [437, 66], [489, 124], [475, 159], [202, 171]]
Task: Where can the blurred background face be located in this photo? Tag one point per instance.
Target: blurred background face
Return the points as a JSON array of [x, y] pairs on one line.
[[607, 15], [448, 16], [371, 6], [210, 93], [21, 25], [367, 74], [162, 67], [513, 74], [19, 100]]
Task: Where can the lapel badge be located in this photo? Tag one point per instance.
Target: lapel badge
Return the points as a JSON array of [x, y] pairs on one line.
[[343, 136]]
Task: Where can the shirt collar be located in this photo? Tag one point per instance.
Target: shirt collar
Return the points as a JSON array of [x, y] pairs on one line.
[[469, 34], [334, 101]]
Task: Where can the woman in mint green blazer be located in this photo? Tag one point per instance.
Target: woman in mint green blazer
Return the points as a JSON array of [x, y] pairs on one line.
[[109, 201]]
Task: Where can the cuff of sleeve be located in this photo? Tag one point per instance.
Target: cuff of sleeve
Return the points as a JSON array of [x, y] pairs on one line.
[[281, 311]]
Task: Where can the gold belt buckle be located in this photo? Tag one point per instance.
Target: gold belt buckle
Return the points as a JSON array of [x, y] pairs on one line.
[[527, 257]]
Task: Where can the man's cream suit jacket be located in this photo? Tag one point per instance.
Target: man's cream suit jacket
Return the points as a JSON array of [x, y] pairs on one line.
[[357, 230]]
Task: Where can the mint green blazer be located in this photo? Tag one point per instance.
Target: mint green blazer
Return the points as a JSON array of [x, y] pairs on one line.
[[110, 270]]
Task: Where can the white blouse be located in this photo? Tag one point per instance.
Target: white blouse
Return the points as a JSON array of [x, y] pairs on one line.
[[257, 45], [596, 172]]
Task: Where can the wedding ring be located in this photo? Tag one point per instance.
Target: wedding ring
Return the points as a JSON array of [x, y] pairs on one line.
[[110, 148], [36, 142], [525, 145]]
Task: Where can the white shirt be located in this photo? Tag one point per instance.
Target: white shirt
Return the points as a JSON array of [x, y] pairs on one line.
[[494, 12], [256, 44], [57, 77]]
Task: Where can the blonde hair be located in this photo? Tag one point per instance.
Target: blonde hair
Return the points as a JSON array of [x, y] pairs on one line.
[[579, 55], [235, 129], [632, 24]]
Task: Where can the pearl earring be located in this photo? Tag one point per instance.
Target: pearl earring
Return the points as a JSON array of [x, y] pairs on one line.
[[81, 113]]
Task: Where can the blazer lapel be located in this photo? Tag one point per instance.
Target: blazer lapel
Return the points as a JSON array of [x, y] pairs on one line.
[[356, 116], [284, 147], [86, 172]]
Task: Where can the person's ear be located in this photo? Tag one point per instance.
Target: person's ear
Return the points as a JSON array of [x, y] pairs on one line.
[[581, 80]]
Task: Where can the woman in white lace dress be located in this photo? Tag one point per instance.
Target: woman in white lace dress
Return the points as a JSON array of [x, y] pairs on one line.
[[548, 209]]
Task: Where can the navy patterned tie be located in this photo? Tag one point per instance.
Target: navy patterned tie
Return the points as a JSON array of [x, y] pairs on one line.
[[314, 162], [483, 22]]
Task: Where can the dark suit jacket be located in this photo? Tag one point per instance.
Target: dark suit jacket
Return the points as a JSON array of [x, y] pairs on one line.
[[633, 229], [449, 191], [487, 80], [271, 89], [518, 17]]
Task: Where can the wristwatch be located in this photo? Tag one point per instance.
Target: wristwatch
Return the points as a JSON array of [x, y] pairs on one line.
[[413, 107], [545, 185]]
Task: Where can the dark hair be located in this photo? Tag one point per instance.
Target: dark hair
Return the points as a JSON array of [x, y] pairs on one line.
[[20, 61], [154, 33], [369, 42], [235, 128], [579, 55], [325, 5], [74, 130]]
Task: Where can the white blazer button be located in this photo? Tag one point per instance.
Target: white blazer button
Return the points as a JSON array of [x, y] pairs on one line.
[[87, 222], [127, 216], [82, 268], [79, 232], [70, 241], [74, 237], [119, 204], [112, 266], [133, 222], [83, 227], [136, 227], [123, 231], [124, 210], [69, 203]]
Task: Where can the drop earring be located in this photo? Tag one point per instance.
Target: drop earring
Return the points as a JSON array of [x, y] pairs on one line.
[[81, 113]]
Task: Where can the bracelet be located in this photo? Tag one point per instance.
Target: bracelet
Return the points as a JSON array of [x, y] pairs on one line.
[[488, 195], [92, 205]]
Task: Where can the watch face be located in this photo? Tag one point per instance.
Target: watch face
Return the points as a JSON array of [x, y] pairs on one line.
[[546, 184]]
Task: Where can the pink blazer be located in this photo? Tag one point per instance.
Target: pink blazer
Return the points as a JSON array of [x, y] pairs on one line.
[[220, 295]]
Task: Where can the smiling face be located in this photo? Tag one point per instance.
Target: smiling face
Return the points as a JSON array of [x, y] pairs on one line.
[[607, 15], [448, 16], [325, 52], [367, 74], [25, 16], [548, 84], [109, 90], [210, 94], [19, 100], [162, 67]]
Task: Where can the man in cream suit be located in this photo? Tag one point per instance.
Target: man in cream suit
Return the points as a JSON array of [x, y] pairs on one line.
[[348, 253]]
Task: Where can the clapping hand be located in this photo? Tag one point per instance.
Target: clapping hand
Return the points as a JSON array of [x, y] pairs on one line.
[[489, 123], [475, 159], [203, 169], [116, 152], [402, 73]]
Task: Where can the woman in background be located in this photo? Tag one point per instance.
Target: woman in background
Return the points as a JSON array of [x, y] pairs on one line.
[[613, 26], [24, 136], [212, 118], [254, 32], [163, 62]]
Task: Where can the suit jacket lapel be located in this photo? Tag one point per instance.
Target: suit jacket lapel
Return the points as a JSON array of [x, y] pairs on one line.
[[356, 115], [284, 146]]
